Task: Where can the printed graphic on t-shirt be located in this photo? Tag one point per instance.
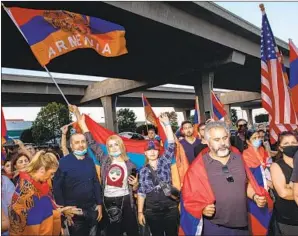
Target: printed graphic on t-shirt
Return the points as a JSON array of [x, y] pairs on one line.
[[115, 176]]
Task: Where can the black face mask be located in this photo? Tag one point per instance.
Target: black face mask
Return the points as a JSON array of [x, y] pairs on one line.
[[290, 150]]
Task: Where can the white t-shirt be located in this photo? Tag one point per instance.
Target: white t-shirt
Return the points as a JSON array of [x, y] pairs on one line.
[[116, 180]]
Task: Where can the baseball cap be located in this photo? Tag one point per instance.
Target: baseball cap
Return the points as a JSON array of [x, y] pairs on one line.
[[152, 144]]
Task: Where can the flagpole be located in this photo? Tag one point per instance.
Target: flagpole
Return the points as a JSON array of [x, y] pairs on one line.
[[145, 113], [49, 73]]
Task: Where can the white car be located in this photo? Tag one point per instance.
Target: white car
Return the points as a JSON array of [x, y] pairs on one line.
[[131, 135]]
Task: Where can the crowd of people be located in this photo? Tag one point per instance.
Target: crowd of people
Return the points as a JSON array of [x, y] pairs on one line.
[[46, 193]]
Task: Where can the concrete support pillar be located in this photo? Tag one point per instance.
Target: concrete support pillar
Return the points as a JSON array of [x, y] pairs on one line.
[[227, 108], [185, 112], [109, 106], [203, 91], [249, 116]]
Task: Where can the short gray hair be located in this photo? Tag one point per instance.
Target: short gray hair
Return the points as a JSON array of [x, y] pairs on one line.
[[215, 124]]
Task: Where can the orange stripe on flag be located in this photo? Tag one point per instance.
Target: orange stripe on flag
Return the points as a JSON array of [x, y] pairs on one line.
[[61, 42]]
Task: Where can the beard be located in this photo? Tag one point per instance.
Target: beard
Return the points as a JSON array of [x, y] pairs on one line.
[[189, 134], [223, 151]]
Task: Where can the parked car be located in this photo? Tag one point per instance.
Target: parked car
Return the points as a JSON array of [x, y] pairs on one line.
[[131, 135]]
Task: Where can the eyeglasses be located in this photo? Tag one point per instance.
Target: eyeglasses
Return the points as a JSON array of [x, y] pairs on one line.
[[229, 178]]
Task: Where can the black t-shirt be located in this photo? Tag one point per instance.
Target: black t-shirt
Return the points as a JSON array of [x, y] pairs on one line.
[[200, 147]]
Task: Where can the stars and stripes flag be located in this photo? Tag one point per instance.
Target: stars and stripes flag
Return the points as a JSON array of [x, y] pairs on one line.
[[275, 95]]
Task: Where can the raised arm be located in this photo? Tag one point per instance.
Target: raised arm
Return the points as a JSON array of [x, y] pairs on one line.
[[64, 148], [22, 148], [170, 150], [91, 142]]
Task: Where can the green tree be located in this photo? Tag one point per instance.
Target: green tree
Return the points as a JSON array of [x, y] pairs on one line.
[[234, 117], [261, 118], [191, 118], [27, 136], [173, 120], [126, 120], [48, 122]]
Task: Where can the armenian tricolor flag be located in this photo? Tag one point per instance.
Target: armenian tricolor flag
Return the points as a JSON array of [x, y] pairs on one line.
[[293, 83], [218, 108], [52, 33], [197, 118], [152, 118], [181, 165], [260, 217], [196, 195], [134, 148], [33, 210]]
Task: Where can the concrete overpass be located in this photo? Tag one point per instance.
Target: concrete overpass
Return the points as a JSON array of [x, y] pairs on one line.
[[31, 91], [189, 43]]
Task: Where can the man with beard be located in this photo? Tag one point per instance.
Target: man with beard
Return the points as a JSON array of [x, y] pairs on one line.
[[238, 140], [227, 214], [201, 146], [189, 142]]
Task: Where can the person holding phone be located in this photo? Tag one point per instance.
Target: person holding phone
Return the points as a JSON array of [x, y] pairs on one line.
[[118, 183], [155, 206], [33, 210]]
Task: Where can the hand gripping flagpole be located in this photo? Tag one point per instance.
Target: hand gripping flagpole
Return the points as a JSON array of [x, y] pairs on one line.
[[46, 69]]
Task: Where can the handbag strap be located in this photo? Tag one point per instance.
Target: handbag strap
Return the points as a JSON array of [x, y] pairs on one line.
[[103, 201], [155, 177]]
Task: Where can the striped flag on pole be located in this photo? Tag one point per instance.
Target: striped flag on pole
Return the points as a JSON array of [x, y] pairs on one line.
[[275, 95], [218, 108], [293, 82]]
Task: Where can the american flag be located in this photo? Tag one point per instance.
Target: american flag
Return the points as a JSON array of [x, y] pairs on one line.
[[275, 95]]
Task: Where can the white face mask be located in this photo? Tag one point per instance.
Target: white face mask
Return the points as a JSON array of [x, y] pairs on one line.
[[115, 154]]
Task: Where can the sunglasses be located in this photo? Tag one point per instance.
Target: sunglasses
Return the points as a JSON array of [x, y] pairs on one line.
[[243, 125], [229, 178]]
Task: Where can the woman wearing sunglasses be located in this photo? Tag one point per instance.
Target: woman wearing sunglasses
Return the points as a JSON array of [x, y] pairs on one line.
[[285, 208]]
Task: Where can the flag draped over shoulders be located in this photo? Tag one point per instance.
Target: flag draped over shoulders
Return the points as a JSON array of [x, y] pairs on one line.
[[256, 163], [52, 33], [197, 194], [134, 148], [32, 211]]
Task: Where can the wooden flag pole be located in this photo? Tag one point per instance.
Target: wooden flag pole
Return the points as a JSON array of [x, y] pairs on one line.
[[46, 69]]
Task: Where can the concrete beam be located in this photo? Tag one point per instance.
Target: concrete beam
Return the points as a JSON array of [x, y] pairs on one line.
[[239, 97], [34, 88], [186, 112], [111, 87], [169, 15], [109, 107]]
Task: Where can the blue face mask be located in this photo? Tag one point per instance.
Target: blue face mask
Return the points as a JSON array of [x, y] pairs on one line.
[[80, 153], [257, 143], [115, 154]]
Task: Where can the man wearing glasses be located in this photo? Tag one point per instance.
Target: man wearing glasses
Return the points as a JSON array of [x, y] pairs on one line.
[[238, 140], [226, 176]]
